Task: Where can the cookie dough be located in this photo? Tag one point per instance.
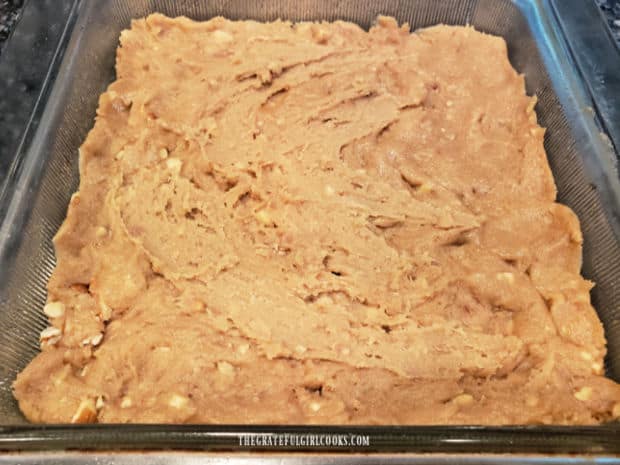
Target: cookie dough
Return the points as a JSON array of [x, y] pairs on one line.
[[311, 223]]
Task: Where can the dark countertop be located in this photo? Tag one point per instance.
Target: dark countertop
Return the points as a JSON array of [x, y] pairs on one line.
[[9, 12], [18, 95], [611, 10]]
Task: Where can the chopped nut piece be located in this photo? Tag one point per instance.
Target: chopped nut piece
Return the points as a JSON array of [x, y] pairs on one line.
[[50, 336], [385, 222], [225, 368], [198, 305], [587, 356], [597, 368], [96, 340], [584, 394], [264, 218], [300, 349], [126, 402], [263, 252], [324, 301], [174, 165], [315, 406], [615, 411], [506, 276], [54, 309], [104, 311], [243, 348], [177, 401], [99, 403], [329, 190], [222, 37], [425, 187], [163, 153], [86, 412], [463, 400], [101, 232]]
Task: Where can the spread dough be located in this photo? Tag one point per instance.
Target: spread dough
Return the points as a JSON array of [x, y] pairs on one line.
[[311, 223]]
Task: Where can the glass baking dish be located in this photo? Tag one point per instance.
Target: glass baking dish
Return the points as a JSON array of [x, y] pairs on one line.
[[75, 62]]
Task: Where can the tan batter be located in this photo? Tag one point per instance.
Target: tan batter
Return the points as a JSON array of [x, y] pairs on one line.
[[311, 223]]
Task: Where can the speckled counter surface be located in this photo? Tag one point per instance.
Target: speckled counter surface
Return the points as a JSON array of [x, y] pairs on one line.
[[9, 12], [20, 81], [611, 10]]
